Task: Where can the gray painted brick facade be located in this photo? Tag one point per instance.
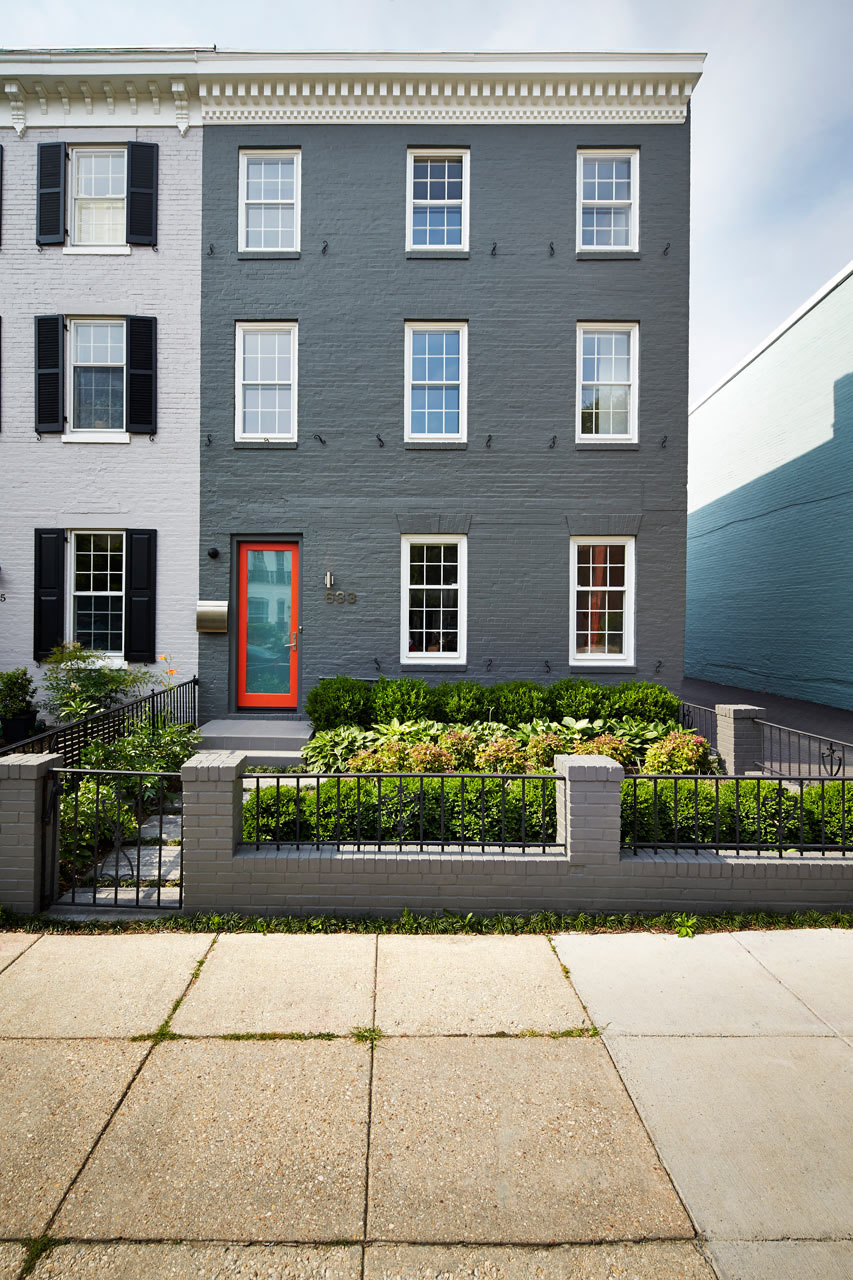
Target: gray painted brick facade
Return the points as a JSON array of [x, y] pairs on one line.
[[344, 498]]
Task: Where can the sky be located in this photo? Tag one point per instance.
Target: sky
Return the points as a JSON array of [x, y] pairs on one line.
[[772, 116]]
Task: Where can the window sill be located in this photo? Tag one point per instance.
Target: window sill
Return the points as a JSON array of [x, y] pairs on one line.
[[601, 668], [273, 255], [97, 250], [265, 444], [96, 437], [608, 255], [437, 253], [453, 664], [435, 444], [605, 446]]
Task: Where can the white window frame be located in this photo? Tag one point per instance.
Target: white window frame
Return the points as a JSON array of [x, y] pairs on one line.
[[436, 326], [437, 153], [609, 326], [625, 659], [115, 657], [109, 246], [275, 326], [633, 244], [273, 153], [459, 657], [81, 434]]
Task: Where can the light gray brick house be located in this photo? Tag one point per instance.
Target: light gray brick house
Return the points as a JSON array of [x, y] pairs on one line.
[[99, 297]]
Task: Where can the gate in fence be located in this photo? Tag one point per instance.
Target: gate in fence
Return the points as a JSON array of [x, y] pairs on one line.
[[112, 839]]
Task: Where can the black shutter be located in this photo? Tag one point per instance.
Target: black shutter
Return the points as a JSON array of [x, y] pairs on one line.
[[50, 399], [141, 376], [141, 193], [140, 591], [49, 591], [50, 208]]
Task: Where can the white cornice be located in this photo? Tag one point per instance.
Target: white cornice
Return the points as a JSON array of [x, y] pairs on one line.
[[184, 87]]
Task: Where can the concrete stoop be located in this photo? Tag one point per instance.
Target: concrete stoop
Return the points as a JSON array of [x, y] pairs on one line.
[[269, 742]]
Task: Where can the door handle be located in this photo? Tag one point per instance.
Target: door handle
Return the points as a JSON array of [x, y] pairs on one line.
[[295, 642]]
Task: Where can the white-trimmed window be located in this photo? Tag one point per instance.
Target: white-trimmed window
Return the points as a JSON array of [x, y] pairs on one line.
[[608, 192], [602, 601], [437, 185], [98, 193], [97, 375], [266, 381], [269, 201], [434, 598], [96, 597], [436, 381], [607, 364]]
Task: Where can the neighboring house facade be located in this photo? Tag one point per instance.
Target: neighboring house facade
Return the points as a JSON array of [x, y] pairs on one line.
[[99, 297], [770, 530], [444, 331]]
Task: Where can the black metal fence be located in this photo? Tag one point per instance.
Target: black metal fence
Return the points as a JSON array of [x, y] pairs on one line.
[[403, 811], [178, 704], [701, 720], [793, 753], [114, 839], [685, 814]]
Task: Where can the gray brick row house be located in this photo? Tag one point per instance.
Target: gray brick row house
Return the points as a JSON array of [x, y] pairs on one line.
[[421, 347]]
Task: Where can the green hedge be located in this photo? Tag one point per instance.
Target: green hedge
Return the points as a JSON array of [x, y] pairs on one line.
[[350, 810], [345, 701], [750, 812]]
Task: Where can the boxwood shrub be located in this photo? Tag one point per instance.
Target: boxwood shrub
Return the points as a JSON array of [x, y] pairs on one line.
[[751, 811], [346, 701], [403, 809]]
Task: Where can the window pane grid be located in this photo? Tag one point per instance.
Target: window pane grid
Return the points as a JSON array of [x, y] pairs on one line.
[[98, 361], [99, 197], [600, 599], [266, 382], [98, 591], [433, 598], [606, 376], [436, 374], [269, 196], [606, 196], [437, 195]]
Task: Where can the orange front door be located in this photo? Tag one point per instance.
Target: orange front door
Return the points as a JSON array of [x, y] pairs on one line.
[[268, 620]]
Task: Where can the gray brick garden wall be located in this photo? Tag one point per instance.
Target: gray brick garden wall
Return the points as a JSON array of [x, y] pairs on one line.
[[344, 497]]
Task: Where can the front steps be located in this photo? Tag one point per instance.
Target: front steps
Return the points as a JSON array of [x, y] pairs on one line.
[[269, 742]]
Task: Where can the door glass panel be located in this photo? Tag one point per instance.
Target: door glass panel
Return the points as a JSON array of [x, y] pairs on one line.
[[268, 621]]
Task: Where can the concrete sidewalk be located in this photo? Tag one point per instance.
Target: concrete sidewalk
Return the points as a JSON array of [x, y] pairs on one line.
[[346, 1106]]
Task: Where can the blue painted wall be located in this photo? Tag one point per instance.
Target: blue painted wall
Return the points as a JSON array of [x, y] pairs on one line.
[[770, 561]]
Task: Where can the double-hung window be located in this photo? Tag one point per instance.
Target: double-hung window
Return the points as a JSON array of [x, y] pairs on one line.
[[97, 375], [608, 190], [98, 192], [436, 381], [266, 382], [437, 186], [434, 599], [97, 591], [602, 601], [607, 359], [269, 201]]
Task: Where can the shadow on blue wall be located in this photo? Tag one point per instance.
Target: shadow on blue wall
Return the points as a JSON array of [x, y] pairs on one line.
[[770, 575]]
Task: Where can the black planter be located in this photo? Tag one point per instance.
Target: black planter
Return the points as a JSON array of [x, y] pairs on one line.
[[17, 728]]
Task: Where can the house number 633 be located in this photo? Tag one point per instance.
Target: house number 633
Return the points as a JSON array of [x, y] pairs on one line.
[[341, 597]]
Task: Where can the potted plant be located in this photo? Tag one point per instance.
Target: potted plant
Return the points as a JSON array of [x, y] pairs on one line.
[[17, 704]]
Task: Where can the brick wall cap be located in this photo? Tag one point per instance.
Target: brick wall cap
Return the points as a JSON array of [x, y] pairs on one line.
[[740, 711], [589, 768]]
